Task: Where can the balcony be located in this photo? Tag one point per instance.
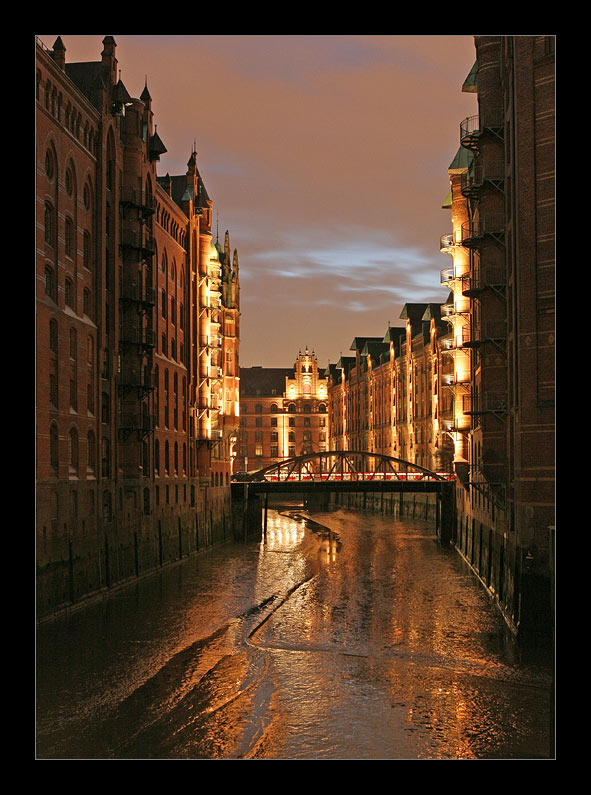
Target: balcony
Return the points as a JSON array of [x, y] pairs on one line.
[[142, 424], [134, 198], [134, 336], [455, 425], [489, 277], [456, 309], [134, 378], [474, 231], [447, 243], [136, 241], [136, 293], [473, 180], [447, 276], [485, 403], [490, 120], [460, 378], [211, 341], [488, 331]]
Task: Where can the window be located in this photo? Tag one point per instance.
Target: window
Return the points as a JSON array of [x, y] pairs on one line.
[[73, 450], [69, 238], [291, 408], [105, 407], [273, 408], [292, 436], [53, 448], [258, 449], [86, 250], [69, 182], [49, 230], [53, 340], [273, 422], [49, 282], [274, 451], [258, 409], [73, 343], [69, 293], [91, 452], [292, 422], [49, 164]]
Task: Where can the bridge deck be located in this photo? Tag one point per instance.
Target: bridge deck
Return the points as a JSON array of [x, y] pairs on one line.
[[310, 486]]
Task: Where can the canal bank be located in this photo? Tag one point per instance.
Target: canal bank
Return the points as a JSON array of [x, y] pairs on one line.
[[349, 636]]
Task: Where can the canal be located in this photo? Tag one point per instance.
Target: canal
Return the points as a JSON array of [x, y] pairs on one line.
[[344, 635]]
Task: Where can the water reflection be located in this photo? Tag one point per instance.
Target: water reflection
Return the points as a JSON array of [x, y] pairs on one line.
[[339, 635]]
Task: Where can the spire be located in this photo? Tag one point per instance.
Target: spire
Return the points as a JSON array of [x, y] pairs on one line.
[[145, 95]]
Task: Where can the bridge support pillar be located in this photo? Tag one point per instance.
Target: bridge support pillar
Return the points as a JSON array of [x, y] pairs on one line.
[[447, 513]]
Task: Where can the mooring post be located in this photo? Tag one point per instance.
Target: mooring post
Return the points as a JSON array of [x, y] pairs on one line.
[[265, 521], [245, 511]]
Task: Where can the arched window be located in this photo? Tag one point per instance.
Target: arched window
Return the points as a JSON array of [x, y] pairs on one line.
[[291, 408], [273, 408], [176, 457], [321, 408], [91, 452], [49, 164], [307, 408], [105, 458], [73, 450], [73, 344], [107, 506], [86, 261], [105, 407], [69, 293], [157, 455], [167, 457], [53, 335], [53, 447], [69, 238], [49, 225]]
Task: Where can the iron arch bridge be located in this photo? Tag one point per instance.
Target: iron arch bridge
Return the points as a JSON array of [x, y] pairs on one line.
[[342, 471], [340, 467]]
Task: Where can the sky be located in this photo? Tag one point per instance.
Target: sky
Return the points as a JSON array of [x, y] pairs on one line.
[[326, 159]]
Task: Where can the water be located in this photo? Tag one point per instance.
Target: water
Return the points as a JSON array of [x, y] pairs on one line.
[[352, 636]]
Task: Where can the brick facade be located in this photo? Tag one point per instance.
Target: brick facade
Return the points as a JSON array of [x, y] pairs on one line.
[[137, 340]]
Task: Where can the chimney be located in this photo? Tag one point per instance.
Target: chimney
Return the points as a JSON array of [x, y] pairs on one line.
[[59, 53]]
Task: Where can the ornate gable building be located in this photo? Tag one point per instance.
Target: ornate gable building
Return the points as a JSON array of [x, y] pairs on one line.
[[283, 413]]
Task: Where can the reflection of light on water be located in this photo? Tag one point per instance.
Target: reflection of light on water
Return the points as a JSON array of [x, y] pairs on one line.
[[282, 534]]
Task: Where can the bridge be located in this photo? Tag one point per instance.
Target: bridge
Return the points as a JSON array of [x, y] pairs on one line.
[[347, 471]]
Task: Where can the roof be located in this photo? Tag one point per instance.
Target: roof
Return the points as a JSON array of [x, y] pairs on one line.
[[261, 381], [470, 85], [462, 161], [359, 342], [88, 77]]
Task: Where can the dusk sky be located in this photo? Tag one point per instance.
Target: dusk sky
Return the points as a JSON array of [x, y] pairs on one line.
[[326, 159]]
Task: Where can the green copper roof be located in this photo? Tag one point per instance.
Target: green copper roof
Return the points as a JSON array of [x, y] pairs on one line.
[[462, 161], [447, 201], [470, 85]]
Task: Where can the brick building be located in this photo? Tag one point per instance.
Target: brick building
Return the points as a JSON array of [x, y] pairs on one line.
[[137, 339], [283, 413], [391, 397], [468, 386]]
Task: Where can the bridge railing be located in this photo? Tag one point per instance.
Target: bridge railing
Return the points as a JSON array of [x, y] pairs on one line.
[[342, 465]]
